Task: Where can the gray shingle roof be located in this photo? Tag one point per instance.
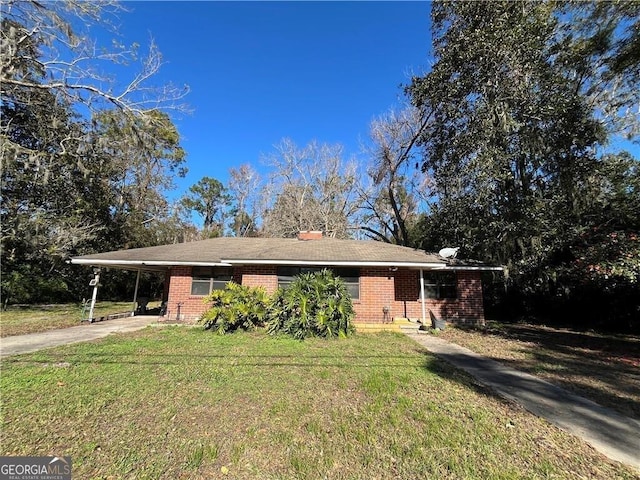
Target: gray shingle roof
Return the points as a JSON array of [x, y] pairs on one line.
[[325, 251]]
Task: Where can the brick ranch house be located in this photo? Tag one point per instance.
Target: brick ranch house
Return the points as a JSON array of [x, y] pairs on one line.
[[386, 281]]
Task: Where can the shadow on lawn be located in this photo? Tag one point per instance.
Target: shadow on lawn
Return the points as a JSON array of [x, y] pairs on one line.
[[614, 345], [615, 435], [604, 368], [450, 367], [425, 359], [445, 368], [226, 360]]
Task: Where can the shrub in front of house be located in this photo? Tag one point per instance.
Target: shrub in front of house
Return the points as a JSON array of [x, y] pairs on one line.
[[314, 305], [235, 307]]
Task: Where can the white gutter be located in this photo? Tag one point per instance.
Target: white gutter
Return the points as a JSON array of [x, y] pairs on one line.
[[232, 262], [460, 267], [333, 263], [150, 263]]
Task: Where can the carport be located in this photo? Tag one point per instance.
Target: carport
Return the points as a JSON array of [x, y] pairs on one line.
[[128, 265]]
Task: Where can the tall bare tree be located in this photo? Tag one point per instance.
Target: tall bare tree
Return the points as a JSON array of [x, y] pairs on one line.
[[244, 188], [311, 188], [397, 188]]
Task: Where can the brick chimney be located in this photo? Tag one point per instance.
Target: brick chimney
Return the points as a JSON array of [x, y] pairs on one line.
[[309, 235]]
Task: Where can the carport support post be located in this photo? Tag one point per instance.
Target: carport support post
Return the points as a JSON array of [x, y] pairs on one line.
[[424, 311], [135, 295], [95, 282]]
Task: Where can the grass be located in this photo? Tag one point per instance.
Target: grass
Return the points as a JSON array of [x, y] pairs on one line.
[[604, 368], [171, 403], [40, 318]]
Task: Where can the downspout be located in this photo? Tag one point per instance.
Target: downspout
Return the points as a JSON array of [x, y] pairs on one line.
[[424, 310], [135, 294]]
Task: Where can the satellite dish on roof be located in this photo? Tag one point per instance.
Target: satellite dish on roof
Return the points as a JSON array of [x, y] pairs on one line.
[[449, 252]]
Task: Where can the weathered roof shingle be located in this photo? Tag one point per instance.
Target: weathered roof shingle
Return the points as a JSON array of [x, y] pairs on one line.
[[231, 250]]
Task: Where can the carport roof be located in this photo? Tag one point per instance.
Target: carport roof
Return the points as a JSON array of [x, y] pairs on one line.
[[275, 251]]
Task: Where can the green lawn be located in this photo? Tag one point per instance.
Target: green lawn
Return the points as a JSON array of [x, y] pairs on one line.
[[178, 402], [20, 321]]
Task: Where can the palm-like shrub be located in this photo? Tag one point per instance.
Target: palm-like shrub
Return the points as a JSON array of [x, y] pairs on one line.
[[315, 304], [235, 307]]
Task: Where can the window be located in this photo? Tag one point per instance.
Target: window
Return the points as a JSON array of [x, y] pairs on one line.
[[350, 276], [440, 285], [287, 274], [206, 279]]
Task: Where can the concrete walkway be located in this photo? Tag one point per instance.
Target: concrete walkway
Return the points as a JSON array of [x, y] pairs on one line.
[[612, 434], [32, 342]]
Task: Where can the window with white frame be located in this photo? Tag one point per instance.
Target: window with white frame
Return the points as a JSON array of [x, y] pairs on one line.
[[204, 280], [440, 285]]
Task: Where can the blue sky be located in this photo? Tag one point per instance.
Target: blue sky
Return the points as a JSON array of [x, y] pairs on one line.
[[262, 71]]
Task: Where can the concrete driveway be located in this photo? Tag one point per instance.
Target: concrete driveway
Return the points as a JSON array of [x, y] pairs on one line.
[[32, 342], [612, 434]]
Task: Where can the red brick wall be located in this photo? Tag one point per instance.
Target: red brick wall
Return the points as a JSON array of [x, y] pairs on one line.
[[260, 275], [470, 308], [376, 293], [400, 290], [407, 294], [193, 306], [180, 292], [379, 288]]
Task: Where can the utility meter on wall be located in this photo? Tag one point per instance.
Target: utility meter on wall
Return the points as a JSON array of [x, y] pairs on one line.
[[94, 281]]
